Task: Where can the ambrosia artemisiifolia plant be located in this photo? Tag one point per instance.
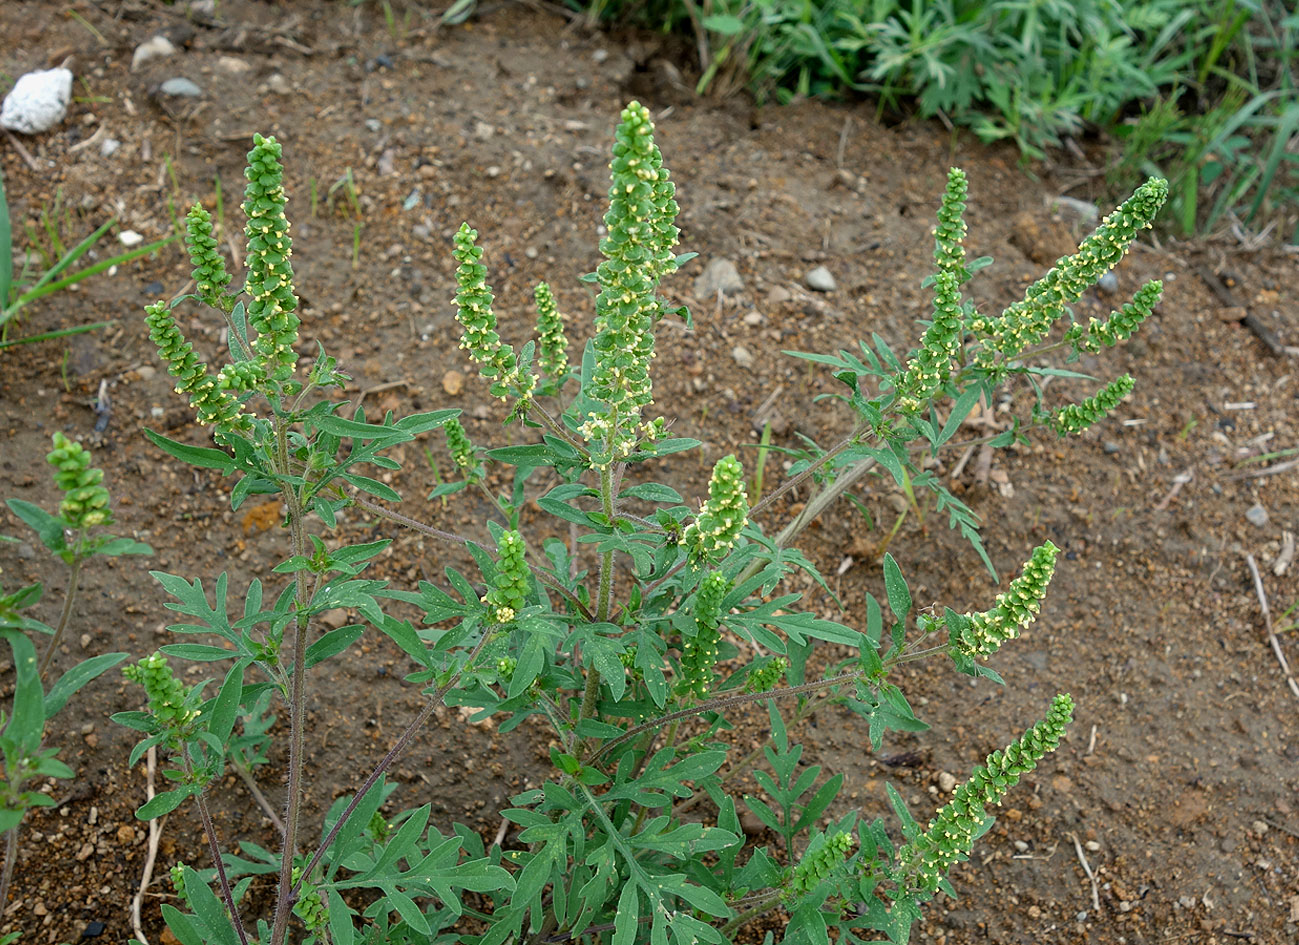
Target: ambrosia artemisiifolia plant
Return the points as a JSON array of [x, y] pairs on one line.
[[634, 643]]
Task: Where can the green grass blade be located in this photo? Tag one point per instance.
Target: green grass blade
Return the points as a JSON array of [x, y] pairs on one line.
[[6, 249], [1285, 130], [40, 291], [61, 333], [72, 255]]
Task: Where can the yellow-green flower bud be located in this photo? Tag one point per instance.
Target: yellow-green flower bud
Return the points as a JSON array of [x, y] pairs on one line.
[[210, 276], [272, 306], [85, 500], [553, 357]]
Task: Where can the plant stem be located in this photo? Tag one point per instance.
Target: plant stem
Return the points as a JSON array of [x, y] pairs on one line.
[[393, 753], [749, 915], [413, 524], [65, 615], [297, 701], [209, 828], [592, 694], [11, 859]]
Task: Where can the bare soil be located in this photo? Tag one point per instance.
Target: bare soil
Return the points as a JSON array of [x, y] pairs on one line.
[[1179, 777]]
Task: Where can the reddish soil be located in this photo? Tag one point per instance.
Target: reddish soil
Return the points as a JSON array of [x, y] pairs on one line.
[[1179, 777]]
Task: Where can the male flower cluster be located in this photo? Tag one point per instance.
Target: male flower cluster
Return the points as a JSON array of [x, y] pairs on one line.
[[85, 500], [510, 589], [1078, 417], [950, 836], [983, 633], [273, 305], [474, 298], [722, 516], [212, 405]]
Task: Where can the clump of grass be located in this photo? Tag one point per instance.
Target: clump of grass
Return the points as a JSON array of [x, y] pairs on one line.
[[1201, 92]]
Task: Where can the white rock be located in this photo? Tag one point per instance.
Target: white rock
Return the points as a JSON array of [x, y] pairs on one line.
[[109, 147], [743, 357], [233, 66], [38, 101], [946, 782], [821, 280], [155, 47], [129, 238], [180, 87]]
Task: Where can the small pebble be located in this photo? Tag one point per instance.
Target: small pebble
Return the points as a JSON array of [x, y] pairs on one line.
[[129, 238], [1259, 827], [720, 275], [754, 319], [373, 124], [156, 412], [1110, 447], [1108, 283], [125, 834], [820, 280], [1092, 845], [743, 357], [156, 47], [453, 382], [109, 147], [278, 84], [93, 930], [946, 782], [483, 130], [232, 66], [1021, 846], [1082, 916], [1256, 515], [180, 87], [85, 641]]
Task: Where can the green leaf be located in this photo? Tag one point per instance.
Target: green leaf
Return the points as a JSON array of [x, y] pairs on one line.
[[896, 586], [198, 652], [77, 677], [960, 410], [49, 528], [652, 492], [166, 802], [723, 23], [226, 705], [123, 546], [202, 456], [373, 486], [626, 920], [333, 643], [531, 662], [27, 721]]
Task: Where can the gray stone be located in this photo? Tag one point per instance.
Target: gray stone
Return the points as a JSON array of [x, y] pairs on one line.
[[1108, 283], [820, 280], [37, 102], [743, 357], [1256, 515], [720, 275], [109, 147], [278, 84], [180, 87], [1110, 447]]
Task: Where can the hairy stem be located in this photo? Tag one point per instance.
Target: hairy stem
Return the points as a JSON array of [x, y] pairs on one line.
[[11, 859], [214, 848], [297, 702]]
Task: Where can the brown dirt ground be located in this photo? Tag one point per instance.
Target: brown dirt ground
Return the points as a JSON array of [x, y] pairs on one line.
[[1181, 771]]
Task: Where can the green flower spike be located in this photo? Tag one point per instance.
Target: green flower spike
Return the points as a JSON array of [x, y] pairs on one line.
[[1028, 320], [212, 405], [272, 311], [463, 452], [929, 370], [210, 276], [951, 834], [764, 678], [553, 357], [177, 873], [949, 253], [1078, 417], [1121, 325], [638, 253], [510, 591], [819, 861], [981, 634], [85, 500], [166, 693], [699, 653], [722, 516], [310, 907], [496, 360]]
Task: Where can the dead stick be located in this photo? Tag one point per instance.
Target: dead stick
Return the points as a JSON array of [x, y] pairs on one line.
[[1267, 622], [155, 834], [1082, 858]]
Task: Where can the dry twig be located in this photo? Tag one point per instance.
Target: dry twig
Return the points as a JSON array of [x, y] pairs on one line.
[[1082, 858], [155, 834], [1267, 622]]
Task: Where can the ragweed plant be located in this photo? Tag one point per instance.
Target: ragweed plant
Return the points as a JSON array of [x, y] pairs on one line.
[[635, 642], [74, 535]]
